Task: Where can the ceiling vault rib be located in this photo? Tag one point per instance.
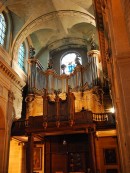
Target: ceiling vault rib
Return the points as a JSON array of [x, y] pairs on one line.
[[32, 26]]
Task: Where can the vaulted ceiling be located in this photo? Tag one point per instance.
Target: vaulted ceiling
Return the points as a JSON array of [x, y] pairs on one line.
[[52, 23]]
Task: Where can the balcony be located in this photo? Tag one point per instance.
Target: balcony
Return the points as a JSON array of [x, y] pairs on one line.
[[84, 121]]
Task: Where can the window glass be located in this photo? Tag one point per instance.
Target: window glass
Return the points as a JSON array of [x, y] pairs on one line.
[[2, 29], [69, 61], [21, 57]]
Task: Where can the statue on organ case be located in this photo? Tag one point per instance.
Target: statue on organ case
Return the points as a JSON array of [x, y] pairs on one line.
[[92, 42], [50, 64], [32, 52], [77, 61]]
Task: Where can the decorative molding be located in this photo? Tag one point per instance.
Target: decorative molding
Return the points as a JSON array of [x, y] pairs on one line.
[[5, 55], [106, 133], [93, 52], [8, 71]]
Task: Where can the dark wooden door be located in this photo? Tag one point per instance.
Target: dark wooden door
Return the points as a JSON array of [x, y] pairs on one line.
[[72, 156], [59, 163]]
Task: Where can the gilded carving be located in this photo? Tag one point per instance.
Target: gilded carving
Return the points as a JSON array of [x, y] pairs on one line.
[[29, 100], [90, 100], [34, 105]]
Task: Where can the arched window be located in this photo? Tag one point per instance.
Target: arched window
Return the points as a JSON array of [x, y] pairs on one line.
[[21, 57], [69, 61], [2, 29]]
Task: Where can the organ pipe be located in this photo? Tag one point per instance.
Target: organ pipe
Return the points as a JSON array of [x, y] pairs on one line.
[[50, 81]]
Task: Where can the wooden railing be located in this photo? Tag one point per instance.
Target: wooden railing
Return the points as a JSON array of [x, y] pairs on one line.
[[102, 121], [100, 117]]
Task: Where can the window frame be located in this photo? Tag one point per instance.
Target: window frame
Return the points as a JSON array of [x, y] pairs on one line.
[[69, 52], [26, 48], [21, 56], [1, 30]]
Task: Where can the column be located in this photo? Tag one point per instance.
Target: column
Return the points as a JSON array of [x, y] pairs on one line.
[[29, 155], [6, 134], [93, 152]]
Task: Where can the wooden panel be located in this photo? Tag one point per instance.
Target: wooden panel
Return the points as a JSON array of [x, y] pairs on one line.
[[51, 111], [83, 117], [58, 155], [77, 162], [111, 171], [106, 147], [47, 156], [64, 113], [59, 163]]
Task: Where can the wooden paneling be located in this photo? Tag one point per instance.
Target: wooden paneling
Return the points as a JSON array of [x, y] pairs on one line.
[[59, 163], [67, 153], [103, 146]]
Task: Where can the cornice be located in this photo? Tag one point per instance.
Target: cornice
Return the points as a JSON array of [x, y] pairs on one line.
[[10, 73]]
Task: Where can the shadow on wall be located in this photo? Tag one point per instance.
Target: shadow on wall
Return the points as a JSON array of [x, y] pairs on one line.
[[24, 94], [2, 119]]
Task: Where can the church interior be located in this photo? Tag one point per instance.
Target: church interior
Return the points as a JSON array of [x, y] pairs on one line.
[[64, 86]]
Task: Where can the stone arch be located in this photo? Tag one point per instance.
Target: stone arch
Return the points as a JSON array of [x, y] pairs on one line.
[[43, 22]]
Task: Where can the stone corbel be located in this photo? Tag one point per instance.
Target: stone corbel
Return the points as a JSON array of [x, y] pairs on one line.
[[29, 100]]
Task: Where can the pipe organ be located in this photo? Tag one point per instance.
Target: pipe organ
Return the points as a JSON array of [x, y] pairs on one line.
[[84, 85], [82, 78]]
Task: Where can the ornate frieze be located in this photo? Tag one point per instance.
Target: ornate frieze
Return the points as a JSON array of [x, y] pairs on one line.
[[9, 73]]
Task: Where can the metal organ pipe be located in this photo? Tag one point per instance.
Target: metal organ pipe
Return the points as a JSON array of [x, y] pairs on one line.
[[80, 79]]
